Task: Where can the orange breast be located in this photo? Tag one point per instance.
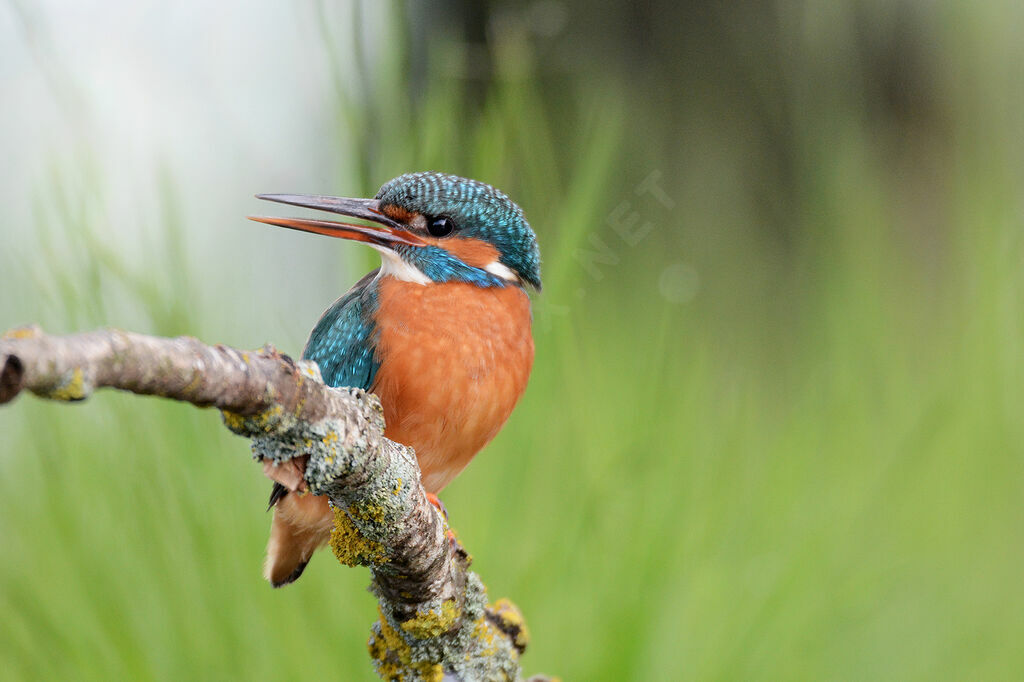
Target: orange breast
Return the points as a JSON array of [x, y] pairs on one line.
[[454, 359]]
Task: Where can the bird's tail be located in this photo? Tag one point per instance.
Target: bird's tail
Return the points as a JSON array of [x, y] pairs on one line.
[[302, 524]]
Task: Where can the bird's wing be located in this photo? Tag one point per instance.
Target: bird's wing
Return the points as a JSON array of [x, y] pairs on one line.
[[342, 342]]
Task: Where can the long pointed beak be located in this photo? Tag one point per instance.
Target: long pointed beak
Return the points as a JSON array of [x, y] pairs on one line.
[[389, 234]]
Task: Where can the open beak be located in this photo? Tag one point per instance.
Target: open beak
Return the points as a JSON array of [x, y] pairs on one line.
[[389, 234]]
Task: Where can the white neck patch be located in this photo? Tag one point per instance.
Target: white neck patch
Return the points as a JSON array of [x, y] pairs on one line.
[[392, 265], [502, 270]]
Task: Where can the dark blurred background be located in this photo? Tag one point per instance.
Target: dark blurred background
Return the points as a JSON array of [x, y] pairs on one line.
[[774, 427]]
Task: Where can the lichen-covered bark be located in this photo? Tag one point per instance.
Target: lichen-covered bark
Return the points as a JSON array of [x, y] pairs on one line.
[[435, 623]]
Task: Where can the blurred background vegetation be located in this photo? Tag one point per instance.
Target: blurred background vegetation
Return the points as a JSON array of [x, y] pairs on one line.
[[774, 429]]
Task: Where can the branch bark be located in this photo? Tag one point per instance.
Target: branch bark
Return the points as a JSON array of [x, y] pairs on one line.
[[435, 623]]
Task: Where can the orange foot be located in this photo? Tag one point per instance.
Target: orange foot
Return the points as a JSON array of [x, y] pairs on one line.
[[438, 504], [449, 534]]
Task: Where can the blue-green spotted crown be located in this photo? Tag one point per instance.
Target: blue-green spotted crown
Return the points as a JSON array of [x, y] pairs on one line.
[[479, 211]]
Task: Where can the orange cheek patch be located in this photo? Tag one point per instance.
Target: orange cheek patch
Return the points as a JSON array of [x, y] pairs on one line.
[[475, 252], [397, 213]]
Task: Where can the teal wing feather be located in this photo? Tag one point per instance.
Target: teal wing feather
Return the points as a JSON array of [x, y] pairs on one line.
[[342, 342]]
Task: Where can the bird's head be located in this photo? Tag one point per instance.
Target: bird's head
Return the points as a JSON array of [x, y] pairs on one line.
[[432, 227]]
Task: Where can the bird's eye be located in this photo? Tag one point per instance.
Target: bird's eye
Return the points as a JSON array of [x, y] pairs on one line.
[[441, 227]]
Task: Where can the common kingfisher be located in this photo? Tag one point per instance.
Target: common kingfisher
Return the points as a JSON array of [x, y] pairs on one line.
[[440, 332]]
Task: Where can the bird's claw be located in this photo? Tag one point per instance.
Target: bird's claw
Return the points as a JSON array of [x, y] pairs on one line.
[[438, 504]]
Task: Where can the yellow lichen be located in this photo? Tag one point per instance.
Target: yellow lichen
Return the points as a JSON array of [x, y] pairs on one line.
[[512, 621], [232, 420], [484, 632], [21, 333], [398, 487], [302, 401], [351, 548], [261, 422], [394, 657], [432, 623], [197, 378], [264, 419], [72, 389], [369, 512]]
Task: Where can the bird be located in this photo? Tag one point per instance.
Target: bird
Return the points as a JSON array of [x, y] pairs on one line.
[[440, 332]]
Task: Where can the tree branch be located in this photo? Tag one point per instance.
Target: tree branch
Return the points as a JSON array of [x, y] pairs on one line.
[[434, 619]]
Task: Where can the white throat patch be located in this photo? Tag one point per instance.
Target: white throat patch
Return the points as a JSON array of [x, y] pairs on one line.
[[392, 265]]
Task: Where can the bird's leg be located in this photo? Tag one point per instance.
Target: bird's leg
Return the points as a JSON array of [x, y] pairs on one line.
[[448, 532], [438, 504]]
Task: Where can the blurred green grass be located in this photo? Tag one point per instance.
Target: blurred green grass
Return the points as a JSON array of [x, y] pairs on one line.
[[812, 470]]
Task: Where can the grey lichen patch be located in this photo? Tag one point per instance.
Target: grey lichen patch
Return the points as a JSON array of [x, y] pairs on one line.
[[333, 447], [475, 650], [320, 440], [273, 421], [379, 509], [336, 449]]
